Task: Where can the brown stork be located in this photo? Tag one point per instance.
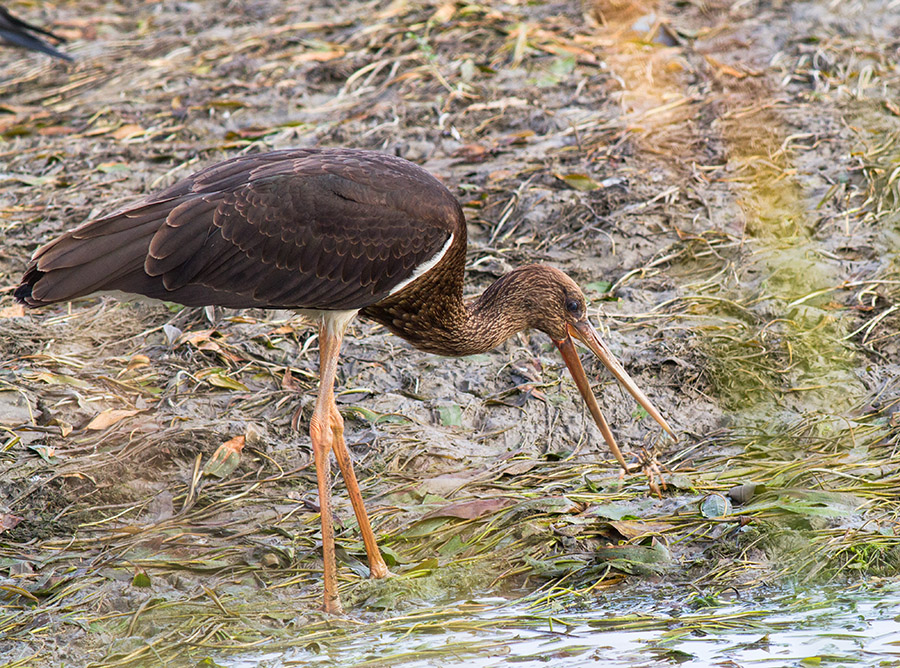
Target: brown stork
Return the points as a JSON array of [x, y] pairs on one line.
[[330, 233], [16, 32]]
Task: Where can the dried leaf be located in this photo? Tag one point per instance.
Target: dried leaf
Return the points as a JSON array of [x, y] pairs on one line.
[[109, 417], [227, 104], [64, 427], [635, 529], [128, 131], [723, 68], [46, 452], [61, 379], [444, 13], [472, 153], [8, 521], [470, 510], [137, 362], [226, 458], [14, 311], [226, 382], [318, 56]]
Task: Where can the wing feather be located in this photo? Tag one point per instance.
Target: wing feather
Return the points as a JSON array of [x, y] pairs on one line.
[[307, 228]]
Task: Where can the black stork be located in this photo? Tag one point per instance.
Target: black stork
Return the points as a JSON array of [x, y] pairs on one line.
[[331, 233], [16, 32]]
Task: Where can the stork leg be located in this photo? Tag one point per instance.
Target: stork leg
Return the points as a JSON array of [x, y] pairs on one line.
[[377, 567], [326, 431], [322, 436]]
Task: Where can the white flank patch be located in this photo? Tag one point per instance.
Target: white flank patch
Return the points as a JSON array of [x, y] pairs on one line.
[[422, 268], [335, 322]]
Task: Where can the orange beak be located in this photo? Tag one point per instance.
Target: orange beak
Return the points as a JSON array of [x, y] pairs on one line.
[[585, 333]]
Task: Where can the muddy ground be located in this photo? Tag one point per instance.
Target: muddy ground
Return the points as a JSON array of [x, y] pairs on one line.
[[722, 177]]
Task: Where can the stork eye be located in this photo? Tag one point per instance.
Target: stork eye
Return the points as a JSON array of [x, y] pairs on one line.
[[573, 306]]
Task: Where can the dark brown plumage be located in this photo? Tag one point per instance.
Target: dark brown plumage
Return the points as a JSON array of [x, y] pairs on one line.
[[331, 232], [16, 32]]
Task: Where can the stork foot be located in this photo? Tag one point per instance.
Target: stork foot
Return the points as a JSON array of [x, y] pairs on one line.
[[650, 467]]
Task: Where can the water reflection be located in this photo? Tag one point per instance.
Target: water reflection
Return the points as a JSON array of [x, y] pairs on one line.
[[826, 627]]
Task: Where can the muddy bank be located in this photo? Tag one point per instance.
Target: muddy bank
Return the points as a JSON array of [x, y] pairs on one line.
[[720, 178]]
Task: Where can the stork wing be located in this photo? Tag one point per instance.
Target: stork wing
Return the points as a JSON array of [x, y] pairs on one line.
[[331, 229]]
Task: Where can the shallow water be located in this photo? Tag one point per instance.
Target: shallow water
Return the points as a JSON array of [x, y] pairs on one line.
[[833, 627]]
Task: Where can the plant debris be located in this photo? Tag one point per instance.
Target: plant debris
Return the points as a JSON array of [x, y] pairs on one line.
[[722, 176]]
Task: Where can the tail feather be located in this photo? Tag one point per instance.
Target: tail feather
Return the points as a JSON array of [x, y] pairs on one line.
[[92, 275], [70, 251], [78, 268], [17, 32]]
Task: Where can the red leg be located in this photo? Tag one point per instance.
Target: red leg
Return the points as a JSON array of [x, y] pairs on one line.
[[377, 567], [326, 431], [322, 435]]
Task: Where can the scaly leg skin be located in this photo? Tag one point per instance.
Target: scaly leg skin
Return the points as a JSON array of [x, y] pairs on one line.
[[327, 433], [377, 567], [322, 434], [321, 441]]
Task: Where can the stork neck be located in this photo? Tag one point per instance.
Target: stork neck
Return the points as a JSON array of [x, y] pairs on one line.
[[442, 322]]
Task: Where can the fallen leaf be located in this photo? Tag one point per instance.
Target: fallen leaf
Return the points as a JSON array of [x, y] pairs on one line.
[[636, 559], [128, 131], [470, 510], [14, 311], [64, 427], [227, 104], [225, 382], [472, 153], [288, 383], [111, 167], [715, 505], [46, 452], [226, 458], [137, 362], [423, 567], [723, 68], [109, 417], [60, 379], [581, 182], [318, 56], [598, 286], [56, 131], [8, 521], [518, 467], [424, 527], [634, 529], [444, 13], [140, 579], [450, 415]]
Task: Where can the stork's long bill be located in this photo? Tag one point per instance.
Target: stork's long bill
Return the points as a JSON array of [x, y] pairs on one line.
[[585, 333]]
